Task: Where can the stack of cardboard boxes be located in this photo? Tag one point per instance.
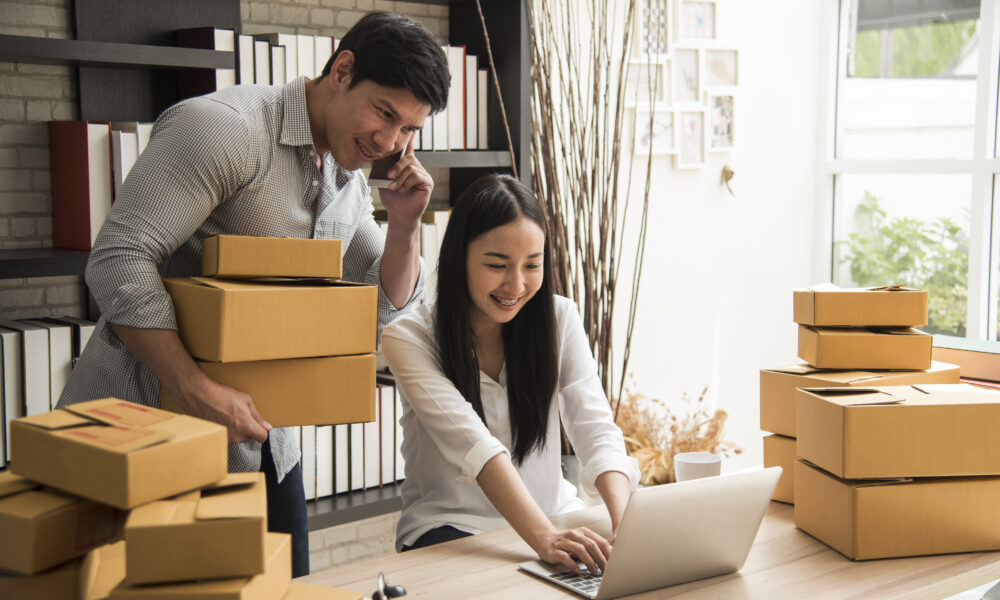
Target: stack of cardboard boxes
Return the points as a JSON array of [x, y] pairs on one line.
[[86, 476], [890, 463], [272, 319], [848, 337]]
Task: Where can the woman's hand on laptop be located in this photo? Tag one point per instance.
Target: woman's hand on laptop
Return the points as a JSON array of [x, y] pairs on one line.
[[572, 545]]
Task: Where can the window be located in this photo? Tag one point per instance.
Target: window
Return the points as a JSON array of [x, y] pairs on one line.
[[910, 157]]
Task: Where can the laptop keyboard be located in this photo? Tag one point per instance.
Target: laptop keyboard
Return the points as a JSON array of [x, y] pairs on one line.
[[585, 582]]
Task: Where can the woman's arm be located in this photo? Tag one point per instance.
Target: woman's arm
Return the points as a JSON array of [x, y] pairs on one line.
[[505, 489], [615, 490]]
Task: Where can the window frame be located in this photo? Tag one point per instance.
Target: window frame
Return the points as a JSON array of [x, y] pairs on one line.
[[984, 169]]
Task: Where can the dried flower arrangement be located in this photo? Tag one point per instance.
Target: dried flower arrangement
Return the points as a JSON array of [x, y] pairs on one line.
[[654, 433]]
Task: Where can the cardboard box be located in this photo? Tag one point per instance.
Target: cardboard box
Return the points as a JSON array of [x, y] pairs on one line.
[[272, 583], [927, 430], [300, 391], [777, 387], [865, 348], [779, 451], [905, 517], [832, 306], [41, 528], [91, 577], [304, 591], [234, 321], [117, 452], [212, 533], [244, 257]]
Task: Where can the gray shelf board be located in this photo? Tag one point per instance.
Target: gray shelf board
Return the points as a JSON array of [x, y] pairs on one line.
[[353, 506], [52, 51], [42, 262], [464, 158]]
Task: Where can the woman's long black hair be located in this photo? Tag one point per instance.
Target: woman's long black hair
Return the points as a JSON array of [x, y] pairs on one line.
[[529, 338]]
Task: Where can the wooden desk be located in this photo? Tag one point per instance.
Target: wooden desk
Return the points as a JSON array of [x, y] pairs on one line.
[[784, 563]]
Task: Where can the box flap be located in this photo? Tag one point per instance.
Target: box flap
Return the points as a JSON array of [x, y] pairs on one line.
[[11, 484], [892, 288], [896, 330], [802, 369], [825, 287], [240, 495], [120, 413], [117, 439], [855, 396], [272, 282], [55, 420]]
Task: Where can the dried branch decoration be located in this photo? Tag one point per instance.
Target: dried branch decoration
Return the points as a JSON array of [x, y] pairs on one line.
[[654, 434], [580, 61]]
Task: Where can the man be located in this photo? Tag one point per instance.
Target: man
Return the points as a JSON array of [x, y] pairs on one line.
[[265, 161]]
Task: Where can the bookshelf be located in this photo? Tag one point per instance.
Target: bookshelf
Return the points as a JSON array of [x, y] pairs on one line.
[[127, 71]]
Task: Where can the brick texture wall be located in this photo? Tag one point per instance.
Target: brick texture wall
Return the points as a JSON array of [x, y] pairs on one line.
[[31, 95]]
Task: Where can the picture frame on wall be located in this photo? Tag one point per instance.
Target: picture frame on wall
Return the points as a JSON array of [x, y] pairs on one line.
[[646, 83], [656, 137], [652, 30], [721, 68], [690, 139], [720, 122], [686, 76], [696, 20]]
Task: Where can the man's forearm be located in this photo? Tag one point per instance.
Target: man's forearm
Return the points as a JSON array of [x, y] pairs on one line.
[[163, 352], [400, 261]]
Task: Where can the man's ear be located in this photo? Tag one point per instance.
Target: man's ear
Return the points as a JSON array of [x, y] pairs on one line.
[[340, 70]]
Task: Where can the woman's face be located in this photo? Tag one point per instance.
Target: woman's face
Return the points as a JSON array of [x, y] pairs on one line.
[[504, 269]]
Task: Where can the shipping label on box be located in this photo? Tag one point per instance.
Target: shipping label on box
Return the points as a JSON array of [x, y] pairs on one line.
[[117, 452], [927, 430], [212, 533], [90, 577], [832, 306], [272, 583], [300, 391], [41, 528], [865, 348], [895, 518], [779, 451], [235, 321], [245, 257], [777, 387]]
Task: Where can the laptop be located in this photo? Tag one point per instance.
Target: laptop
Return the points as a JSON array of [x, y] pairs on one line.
[[676, 533]]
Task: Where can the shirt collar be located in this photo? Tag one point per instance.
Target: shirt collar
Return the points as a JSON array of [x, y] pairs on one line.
[[295, 116]]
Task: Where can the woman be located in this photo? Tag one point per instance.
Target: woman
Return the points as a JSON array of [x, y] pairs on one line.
[[486, 374]]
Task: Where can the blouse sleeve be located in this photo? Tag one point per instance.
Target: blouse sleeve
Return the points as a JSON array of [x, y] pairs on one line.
[[457, 431], [585, 410]]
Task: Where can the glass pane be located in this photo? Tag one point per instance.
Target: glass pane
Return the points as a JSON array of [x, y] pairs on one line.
[[907, 229], [910, 89]]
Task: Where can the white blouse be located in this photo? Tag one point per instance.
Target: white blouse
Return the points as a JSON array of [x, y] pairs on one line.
[[446, 444]]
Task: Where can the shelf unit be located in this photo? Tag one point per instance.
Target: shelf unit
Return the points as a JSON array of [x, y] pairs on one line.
[[127, 70]]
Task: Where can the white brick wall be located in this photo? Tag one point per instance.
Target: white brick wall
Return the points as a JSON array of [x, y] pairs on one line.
[[343, 544]]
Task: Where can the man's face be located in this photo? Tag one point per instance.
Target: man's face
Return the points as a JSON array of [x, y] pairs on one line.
[[370, 121]]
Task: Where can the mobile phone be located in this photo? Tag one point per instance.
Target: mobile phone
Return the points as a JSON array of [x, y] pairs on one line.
[[378, 177]]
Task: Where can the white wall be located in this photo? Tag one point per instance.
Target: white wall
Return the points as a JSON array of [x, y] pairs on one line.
[[715, 304]]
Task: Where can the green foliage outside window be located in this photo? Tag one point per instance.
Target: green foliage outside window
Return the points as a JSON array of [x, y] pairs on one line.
[[927, 255], [917, 51]]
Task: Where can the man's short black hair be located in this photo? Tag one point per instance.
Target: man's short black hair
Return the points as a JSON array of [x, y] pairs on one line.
[[397, 52]]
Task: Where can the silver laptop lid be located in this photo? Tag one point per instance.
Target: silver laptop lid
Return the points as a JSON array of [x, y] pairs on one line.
[[685, 531]]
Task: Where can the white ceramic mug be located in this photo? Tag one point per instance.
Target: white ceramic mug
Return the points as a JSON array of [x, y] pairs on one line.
[[695, 465]]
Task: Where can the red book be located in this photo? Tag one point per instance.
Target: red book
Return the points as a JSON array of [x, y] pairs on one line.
[[195, 82], [80, 153]]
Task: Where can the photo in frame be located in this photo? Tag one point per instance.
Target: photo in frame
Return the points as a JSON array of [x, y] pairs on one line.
[[652, 29], [656, 137], [696, 20], [720, 133], [691, 139], [646, 83], [721, 68], [687, 76]]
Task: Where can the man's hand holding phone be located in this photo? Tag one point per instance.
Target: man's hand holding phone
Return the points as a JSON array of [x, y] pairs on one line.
[[410, 185]]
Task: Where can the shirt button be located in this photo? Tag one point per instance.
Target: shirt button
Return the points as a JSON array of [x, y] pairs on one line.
[[315, 182], [312, 153]]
